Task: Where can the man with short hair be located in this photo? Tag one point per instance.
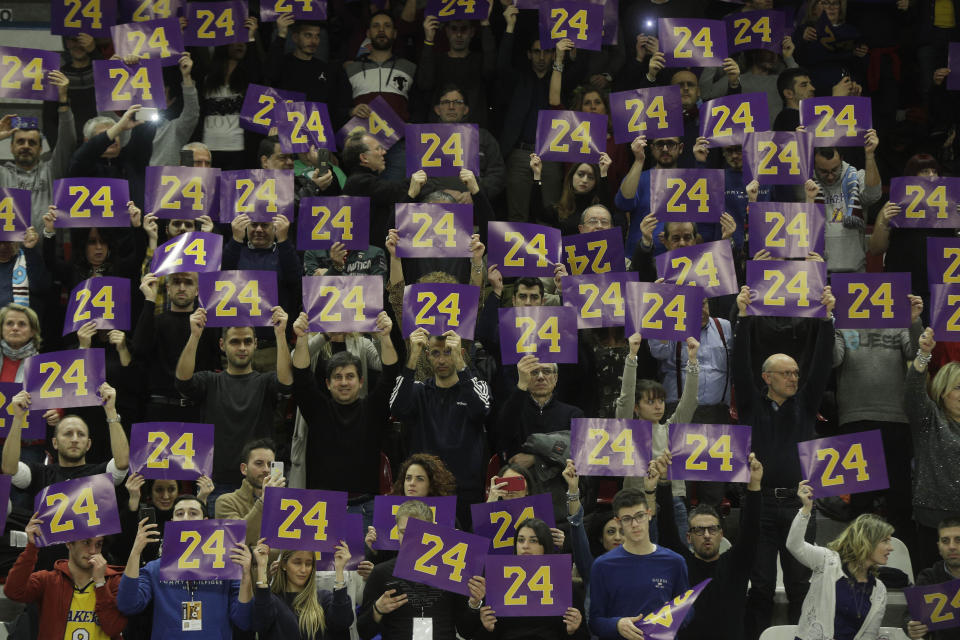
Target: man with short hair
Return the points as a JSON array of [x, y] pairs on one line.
[[109, 151], [948, 544], [380, 73], [246, 503], [202, 156], [794, 85], [633, 195], [300, 70]]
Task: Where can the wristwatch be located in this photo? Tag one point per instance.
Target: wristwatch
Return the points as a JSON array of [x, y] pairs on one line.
[[117, 419]]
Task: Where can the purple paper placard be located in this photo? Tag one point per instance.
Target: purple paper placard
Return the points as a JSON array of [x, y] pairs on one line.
[[710, 452], [851, 463], [238, 298], [497, 521], [349, 529], [442, 149], [93, 17], [441, 557], [77, 509], [444, 510], [160, 39], [579, 21], [259, 193], [193, 251], [664, 623], [439, 308], [786, 229], [323, 221], [259, 105], [663, 311], [61, 379], [513, 575], [748, 30], [656, 112], [433, 230], [383, 123], [171, 450], [523, 249], [91, 202], [925, 203], [211, 24], [15, 62], [687, 195], [186, 546], [301, 125], [119, 86], [103, 300], [608, 447], [447, 10], [598, 298], [144, 10], [15, 214], [708, 265], [182, 193], [836, 122], [943, 261], [692, 42], [342, 303], [594, 252], [945, 312], [36, 428], [953, 62], [942, 600], [313, 10], [570, 136], [550, 333], [301, 519], [871, 300], [778, 157], [726, 120], [786, 288]]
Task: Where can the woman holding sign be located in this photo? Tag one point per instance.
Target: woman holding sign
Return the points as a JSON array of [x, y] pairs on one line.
[[584, 186]]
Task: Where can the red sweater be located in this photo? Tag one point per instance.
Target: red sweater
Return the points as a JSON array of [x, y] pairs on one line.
[[54, 590]]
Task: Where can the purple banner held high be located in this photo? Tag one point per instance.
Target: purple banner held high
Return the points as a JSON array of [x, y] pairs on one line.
[[786, 229], [498, 521], [61, 379], [238, 298], [598, 298], [145, 10], [441, 557], [925, 203], [119, 86], [687, 195], [15, 214], [550, 333], [570, 19], [710, 452], [103, 300], [836, 122], [348, 528], [325, 220], [313, 10], [448, 10], [444, 510], [211, 24], [383, 124], [523, 249], [608, 447], [24, 73], [91, 202], [692, 42], [663, 311], [301, 519], [656, 112], [342, 303], [259, 193], [786, 288], [953, 63], [439, 307], [871, 300], [159, 39], [36, 426], [778, 157], [301, 125], [259, 108], [725, 121], [442, 149], [935, 605], [200, 549], [708, 265], [664, 623], [748, 30], [433, 230], [171, 450], [77, 509], [943, 260], [193, 251], [73, 17], [529, 585], [851, 463], [182, 193], [570, 136], [594, 252], [945, 312]]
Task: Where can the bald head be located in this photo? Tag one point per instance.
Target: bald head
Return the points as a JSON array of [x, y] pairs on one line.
[[782, 375]]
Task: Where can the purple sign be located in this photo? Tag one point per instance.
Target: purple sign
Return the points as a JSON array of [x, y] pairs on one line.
[[93, 17], [447, 10], [262, 194], [943, 260], [663, 311], [323, 221], [498, 521], [529, 585], [439, 308], [755, 30], [433, 230], [442, 149], [144, 10], [15, 214], [726, 120], [77, 509], [687, 195], [257, 111], [171, 450], [871, 300], [119, 86], [597, 298], [850, 463], [594, 252], [103, 300], [786, 229], [945, 312], [608, 447], [925, 203], [159, 39], [786, 288], [193, 251], [664, 623], [238, 298], [953, 62], [570, 136], [708, 265], [935, 605], [36, 426], [836, 122], [61, 379], [301, 519], [210, 24], [182, 193], [342, 303], [24, 73], [611, 20], [656, 112], [313, 10], [523, 249], [200, 549], [574, 20], [710, 452], [383, 124], [349, 529], [778, 157], [441, 557], [444, 510], [550, 333], [91, 202], [692, 42], [301, 125]]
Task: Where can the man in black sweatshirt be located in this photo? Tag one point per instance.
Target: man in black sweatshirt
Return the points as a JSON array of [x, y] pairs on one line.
[[948, 543]]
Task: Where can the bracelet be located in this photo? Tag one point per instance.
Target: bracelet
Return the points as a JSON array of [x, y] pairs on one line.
[[558, 67], [427, 43], [378, 610], [573, 496], [339, 585], [923, 359], [650, 493], [693, 366]]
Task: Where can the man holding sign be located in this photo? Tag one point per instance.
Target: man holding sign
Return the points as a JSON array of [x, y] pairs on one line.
[[948, 544], [104, 155]]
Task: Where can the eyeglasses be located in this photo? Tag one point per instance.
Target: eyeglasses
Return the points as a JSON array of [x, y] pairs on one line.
[[665, 144], [639, 516], [436, 353], [687, 237], [451, 103], [699, 531], [546, 372], [597, 222], [788, 374], [828, 172]]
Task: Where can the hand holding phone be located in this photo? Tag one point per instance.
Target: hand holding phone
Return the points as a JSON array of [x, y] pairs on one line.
[[513, 483]]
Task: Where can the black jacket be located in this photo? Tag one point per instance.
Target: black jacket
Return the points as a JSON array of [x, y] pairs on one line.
[[521, 416], [936, 574]]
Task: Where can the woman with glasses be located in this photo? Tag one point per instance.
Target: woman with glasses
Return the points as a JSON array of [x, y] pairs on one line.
[[830, 58]]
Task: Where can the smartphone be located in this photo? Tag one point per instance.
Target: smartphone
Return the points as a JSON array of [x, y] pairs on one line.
[[147, 114], [323, 161], [23, 123], [186, 157], [514, 483], [648, 26], [276, 469], [147, 512]]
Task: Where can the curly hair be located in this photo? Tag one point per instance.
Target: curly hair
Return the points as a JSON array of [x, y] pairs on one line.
[[857, 542], [442, 482]]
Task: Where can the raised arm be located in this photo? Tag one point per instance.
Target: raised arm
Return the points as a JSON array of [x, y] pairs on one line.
[[10, 459], [688, 398], [628, 385], [119, 446], [279, 322], [809, 555], [188, 357]]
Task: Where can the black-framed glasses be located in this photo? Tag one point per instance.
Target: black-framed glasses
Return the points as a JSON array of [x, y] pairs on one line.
[[699, 531], [665, 144], [451, 103], [639, 516]]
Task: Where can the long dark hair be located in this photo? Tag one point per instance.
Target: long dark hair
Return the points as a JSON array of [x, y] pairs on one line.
[[217, 75], [567, 205], [541, 530]]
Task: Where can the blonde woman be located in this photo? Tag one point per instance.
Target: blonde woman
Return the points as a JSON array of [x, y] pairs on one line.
[[845, 600]]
